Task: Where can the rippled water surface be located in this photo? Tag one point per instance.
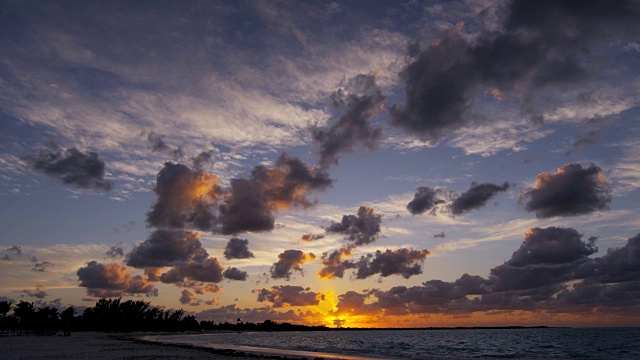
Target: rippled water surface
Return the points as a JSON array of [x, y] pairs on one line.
[[600, 343]]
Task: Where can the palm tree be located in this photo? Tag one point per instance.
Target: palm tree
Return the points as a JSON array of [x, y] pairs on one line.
[[5, 307]]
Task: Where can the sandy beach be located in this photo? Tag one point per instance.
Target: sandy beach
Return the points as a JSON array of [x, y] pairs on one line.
[[96, 346]]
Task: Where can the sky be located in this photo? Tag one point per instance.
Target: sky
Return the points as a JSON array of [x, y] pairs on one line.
[[338, 163]]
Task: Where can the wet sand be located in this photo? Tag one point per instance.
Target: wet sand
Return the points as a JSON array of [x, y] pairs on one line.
[[102, 346]]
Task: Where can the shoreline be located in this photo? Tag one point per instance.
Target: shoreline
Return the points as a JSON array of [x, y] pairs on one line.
[[104, 346], [251, 351]]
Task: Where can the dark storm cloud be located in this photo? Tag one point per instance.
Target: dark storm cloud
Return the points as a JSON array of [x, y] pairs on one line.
[[335, 264], [289, 261], [202, 270], [311, 237], [288, 295], [71, 166], [476, 197], [40, 292], [158, 144], [573, 190], [237, 249], [184, 198], [167, 248], [233, 273], [536, 45], [361, 99], [116, 251], [362, 228], [41, 266], [425, 199], [110, 280], [552, 245], [404, 262]]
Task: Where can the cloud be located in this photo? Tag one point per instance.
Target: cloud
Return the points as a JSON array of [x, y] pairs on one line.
[[440, 235], [288, 295], [476, 197], [573, 190], [41, 266], [425, 199], [71, 166], [362, 100], [116, 251], [199, 287], [404, 262], [289, 261], [112, 280], [184, 198], [353, 303], [444, 81], [362, 228], [251, 203], [335, 264], [553, 245], [158, 144], [187, 297], [233, 273], [40, 292], [167, 248], [204, 270], [17, 250], [237, 249], [230, 313], [311, 237]]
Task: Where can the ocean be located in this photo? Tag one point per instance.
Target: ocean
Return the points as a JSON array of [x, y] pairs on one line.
[[538, 343]]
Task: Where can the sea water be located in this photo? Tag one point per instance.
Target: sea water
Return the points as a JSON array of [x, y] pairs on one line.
[[539, 343]]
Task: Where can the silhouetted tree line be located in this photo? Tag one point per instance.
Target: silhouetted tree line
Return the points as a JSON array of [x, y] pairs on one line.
[[122, 316]]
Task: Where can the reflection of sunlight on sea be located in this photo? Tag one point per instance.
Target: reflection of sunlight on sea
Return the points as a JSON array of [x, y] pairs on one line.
[[582, 343]]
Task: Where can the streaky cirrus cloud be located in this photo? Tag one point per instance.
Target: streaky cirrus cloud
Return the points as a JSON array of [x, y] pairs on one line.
[[288, 262], [335, 264], [233, 273], [476, 197], [289, 295], [71, 166], [237, 249], [403, 262], [443, 81], [361, 99], [573, 190], [112, 280], [426, 199], [362, 228]]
